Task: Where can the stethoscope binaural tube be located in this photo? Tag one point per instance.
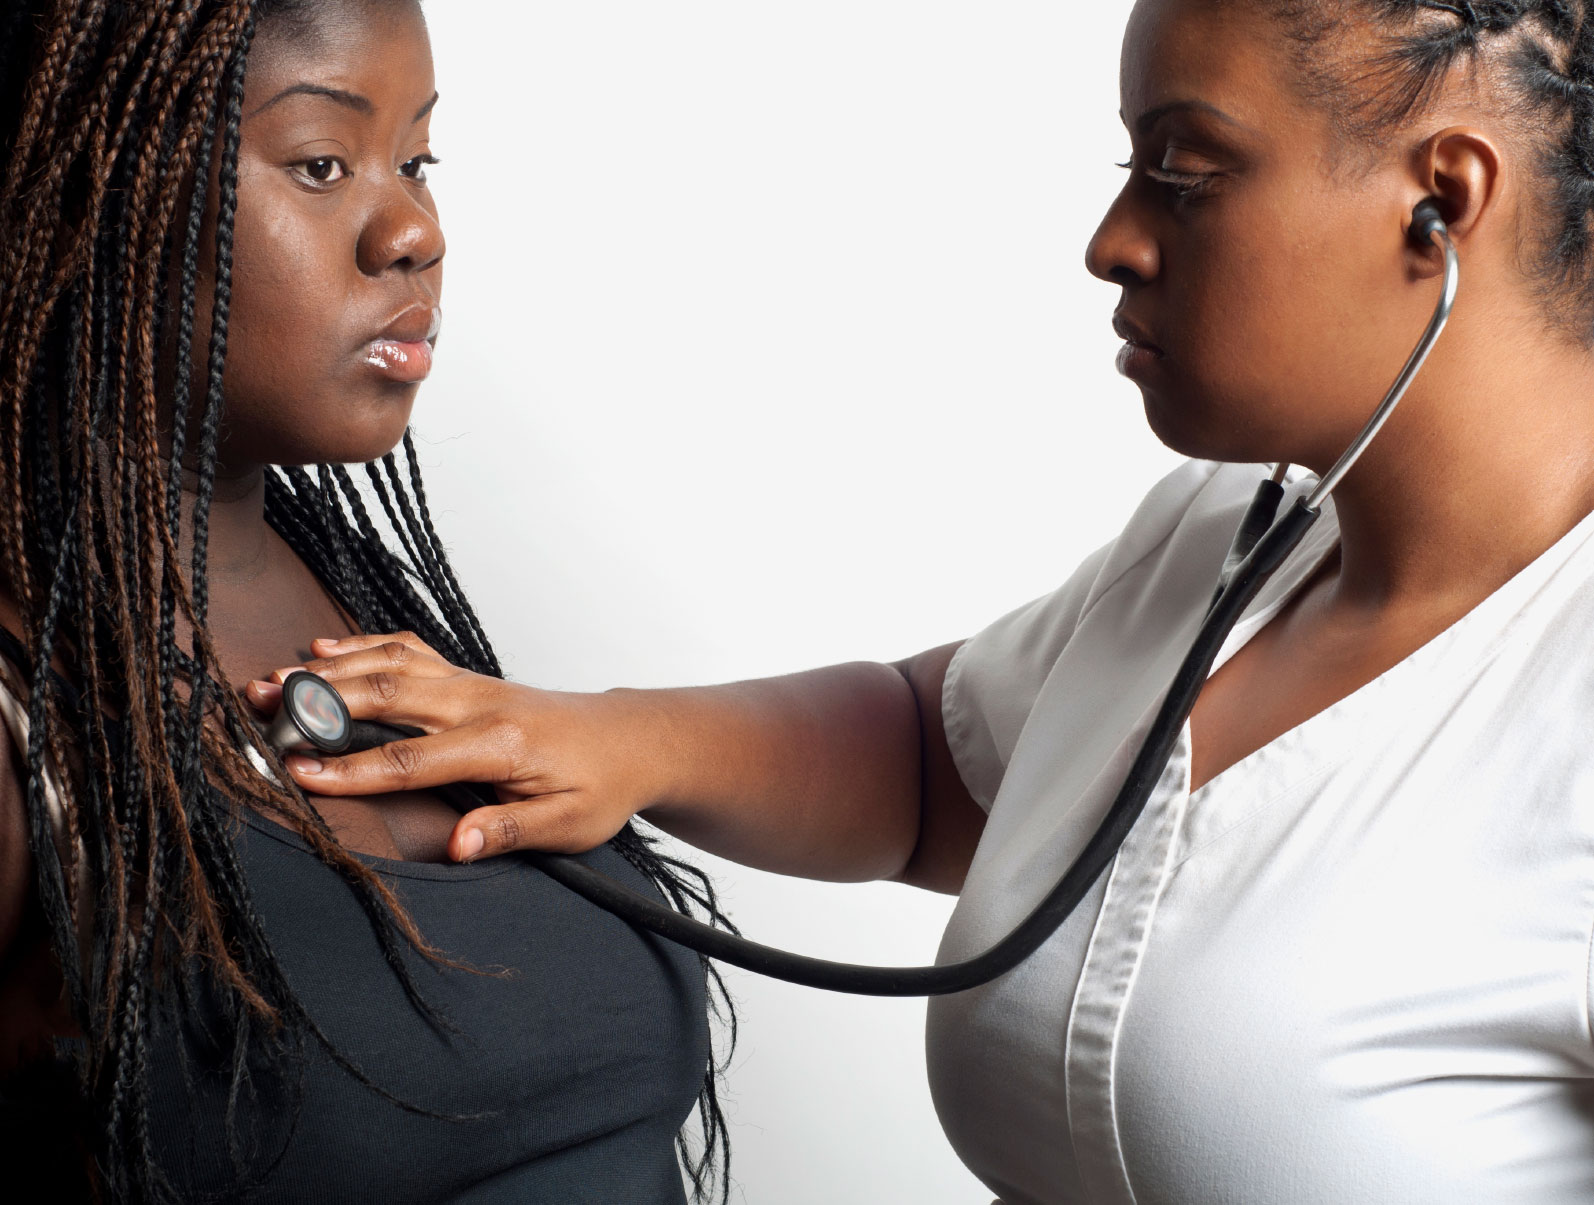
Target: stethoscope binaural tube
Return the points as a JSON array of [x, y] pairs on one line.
[[1261, 545]]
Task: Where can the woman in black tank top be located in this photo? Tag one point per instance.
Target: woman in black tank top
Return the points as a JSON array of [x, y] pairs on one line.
[[220, 259]]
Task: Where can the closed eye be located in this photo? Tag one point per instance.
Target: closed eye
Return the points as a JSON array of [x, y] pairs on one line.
[[1184, 185]]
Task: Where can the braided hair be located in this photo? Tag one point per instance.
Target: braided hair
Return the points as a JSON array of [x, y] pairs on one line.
[[1545, 52], [112, 113]]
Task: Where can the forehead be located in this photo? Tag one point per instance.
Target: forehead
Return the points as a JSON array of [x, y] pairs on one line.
[[1227, 53], [344, 38]]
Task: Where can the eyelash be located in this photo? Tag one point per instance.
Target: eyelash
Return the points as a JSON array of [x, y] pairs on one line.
[[1184, 185], [419, 163], [424, 161]]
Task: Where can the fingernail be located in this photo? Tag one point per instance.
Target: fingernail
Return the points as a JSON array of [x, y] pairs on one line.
[[304, 765], [265, 690], [331, 642], [470, 844], [281, 675]]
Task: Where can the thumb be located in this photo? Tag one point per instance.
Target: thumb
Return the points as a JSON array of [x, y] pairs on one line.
[[555, 825]]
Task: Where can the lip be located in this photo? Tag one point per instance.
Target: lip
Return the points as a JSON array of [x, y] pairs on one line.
[[1139, 353], [1131, 331], [402, 351], [417, 324]]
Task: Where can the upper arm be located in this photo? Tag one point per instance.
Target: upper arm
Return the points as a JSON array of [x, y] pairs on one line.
[[950, 821], [974, 699]]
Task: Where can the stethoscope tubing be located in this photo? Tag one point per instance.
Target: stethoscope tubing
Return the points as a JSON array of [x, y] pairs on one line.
[[1058, 903], [1275, 546], [1261, 545], [1414, 363]]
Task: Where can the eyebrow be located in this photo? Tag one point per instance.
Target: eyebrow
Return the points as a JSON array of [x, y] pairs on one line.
[[1148, 119], [349, 100]]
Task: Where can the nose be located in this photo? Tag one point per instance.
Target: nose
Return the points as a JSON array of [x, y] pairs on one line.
[[402, 232], [1123, 251]]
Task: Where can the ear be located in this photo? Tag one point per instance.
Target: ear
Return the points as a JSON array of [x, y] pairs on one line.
[[1461, 169]]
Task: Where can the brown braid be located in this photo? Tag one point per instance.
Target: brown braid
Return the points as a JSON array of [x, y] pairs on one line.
[[114, 114]]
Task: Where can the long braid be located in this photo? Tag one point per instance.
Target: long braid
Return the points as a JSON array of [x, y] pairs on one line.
[[310, 532], [111, 113], [439, 558]]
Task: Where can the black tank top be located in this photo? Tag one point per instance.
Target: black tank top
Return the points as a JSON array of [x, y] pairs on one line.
[[577, 1061]]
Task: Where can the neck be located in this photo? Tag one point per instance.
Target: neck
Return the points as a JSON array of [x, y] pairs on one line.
[[238, 546], [1488, 462]]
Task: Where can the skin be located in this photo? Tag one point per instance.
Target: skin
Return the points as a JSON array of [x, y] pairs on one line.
[[336, 237], [1276, 343], [1268, 257], [318, 273]]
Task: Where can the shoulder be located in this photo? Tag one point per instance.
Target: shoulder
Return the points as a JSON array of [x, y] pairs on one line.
[[1171, 548], [1179, 534], [1184, 525]]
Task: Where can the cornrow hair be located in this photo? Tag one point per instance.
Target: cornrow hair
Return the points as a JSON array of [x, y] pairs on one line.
[[112, 113], [1548, 64]]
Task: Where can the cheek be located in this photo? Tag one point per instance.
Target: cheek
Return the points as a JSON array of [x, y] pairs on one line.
[[292, 288], [1282, 345], [1229, 306], [297, 391]]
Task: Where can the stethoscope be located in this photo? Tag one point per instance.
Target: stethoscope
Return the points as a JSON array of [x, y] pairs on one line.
[[313, 717]]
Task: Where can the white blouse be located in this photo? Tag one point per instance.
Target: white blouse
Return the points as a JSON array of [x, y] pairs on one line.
[[1353, 967]]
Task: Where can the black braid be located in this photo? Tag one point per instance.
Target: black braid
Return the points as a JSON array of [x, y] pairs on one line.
[[109, 111], [315, 531], [1550, 68], [182, 388], [484, 649], [220, 311]]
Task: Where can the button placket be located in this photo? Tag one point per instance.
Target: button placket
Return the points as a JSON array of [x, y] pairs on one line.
[[1118, 943]]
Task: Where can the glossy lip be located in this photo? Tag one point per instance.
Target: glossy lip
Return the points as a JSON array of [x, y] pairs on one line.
[[402, 352]]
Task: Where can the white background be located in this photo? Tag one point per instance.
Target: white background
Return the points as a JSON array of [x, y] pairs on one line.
[[768, 344]]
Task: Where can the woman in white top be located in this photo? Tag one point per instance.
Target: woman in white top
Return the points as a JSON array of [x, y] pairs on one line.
[[1345, 953]]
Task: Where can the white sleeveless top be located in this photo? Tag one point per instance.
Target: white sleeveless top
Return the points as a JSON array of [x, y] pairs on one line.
[[1352, 968]]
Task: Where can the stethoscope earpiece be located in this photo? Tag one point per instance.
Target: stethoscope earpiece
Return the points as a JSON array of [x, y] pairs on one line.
[[1427, 221]]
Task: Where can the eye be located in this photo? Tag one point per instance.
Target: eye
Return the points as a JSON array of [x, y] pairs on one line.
[[1185, 172], [320, 172], [415, 169], [1183, 185], [1177, 174]]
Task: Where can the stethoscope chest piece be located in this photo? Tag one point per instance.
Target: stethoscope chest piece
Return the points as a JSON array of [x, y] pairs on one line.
[[312, 719]]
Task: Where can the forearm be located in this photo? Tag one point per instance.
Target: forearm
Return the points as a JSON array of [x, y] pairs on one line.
[[839, 773], [814, 774]]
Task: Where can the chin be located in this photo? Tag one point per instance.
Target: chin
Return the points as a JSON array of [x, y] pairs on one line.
[[349, 448], [1179, 428], [1191, 428], [378, 434]]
